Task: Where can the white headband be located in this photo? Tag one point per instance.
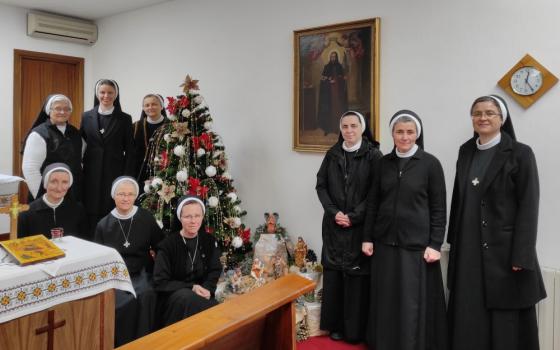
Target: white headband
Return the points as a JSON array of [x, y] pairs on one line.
[[120, 180], [57, 169], [55, 98], [414, 119], [98, 84], [358, 114], [189, 200], [503, 108]]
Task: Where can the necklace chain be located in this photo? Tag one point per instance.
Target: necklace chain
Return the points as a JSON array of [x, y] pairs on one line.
[[191, 258], [126, 243]]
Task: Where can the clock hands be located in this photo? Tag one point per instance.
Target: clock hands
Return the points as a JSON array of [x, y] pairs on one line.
[[527, 82]]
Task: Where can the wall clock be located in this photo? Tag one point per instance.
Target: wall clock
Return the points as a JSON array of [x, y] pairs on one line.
[[527, 81]]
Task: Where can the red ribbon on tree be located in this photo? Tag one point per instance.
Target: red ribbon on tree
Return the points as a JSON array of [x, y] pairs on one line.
[[164, 159]]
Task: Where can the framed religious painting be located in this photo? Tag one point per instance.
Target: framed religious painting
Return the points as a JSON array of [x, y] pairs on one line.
[[336, 69]]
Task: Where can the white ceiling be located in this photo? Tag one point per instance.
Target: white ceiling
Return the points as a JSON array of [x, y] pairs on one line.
[[86, 9]]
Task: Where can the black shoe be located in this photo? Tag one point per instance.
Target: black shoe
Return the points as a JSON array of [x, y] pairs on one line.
[[336, 336]]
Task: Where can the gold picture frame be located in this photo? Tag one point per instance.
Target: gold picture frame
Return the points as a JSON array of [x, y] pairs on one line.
[[336, 68]]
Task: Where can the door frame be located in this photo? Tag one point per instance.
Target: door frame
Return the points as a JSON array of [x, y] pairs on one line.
[[78, 102]]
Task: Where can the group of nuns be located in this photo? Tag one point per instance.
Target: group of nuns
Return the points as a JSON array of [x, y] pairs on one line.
[[85, 182], [384, 224]]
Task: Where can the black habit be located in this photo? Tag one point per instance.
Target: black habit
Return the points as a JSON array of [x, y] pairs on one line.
[[40, 219], [62, 148], [406, 213], [342, 185], [109, 154], [134, 318], [493, 227], [180, 264]]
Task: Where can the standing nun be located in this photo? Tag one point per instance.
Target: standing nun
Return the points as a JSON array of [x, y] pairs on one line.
[[52, 140], [342, 185], [110, 149], [404, 230], [151, 119], [494, 276]]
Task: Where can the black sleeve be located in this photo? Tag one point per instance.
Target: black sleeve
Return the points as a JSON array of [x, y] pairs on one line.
[[129, 146], [526, 179], [214, 270], [83, 227], [23, 225], [372, 203], [437, 202], [323, 190], [358, 214], [98, 236]]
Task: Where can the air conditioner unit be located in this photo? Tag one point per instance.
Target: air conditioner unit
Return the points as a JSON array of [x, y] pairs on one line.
[[50, 26]]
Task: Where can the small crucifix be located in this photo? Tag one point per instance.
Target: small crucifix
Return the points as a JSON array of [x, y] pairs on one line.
[[475, 182], [49, 329]]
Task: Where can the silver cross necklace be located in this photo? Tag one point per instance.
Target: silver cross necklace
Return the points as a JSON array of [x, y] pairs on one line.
[[126, 243]]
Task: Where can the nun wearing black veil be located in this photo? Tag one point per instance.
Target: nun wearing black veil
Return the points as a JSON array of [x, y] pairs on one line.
[[52, 140], [110, 149], [494, 276], [404, 231], [343, 181], [151, 119]]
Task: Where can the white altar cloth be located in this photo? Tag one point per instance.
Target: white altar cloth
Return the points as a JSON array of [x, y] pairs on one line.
[[87, 269]]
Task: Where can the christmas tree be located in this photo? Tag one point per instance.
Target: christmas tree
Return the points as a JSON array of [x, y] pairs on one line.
[[188, 157]]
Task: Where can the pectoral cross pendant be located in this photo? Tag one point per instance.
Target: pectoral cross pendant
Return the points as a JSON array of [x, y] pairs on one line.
[[102, 131], [126, 244], [475, 181]]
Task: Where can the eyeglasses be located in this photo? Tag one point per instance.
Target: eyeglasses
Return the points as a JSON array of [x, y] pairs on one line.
[[488, 114], [124, 195], [191, 217], [61, 109]]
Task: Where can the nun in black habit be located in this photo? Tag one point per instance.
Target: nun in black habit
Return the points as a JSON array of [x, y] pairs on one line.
[[342, 185], [107, 131], [134, 233], [404, 231], [494, 276], [54, 209], [187, 265], [52, 140], [151, 119]]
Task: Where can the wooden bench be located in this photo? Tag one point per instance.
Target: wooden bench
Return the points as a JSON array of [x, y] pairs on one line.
[[261, 319]]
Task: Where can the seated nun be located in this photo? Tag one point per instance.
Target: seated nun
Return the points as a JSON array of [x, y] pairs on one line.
[[187, 265], [54, 210], [134, 233]]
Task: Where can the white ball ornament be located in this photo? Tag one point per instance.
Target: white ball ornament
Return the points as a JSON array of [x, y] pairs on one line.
[[185, 113], [236, 222], [182, 175], [232, 196], [237, 209], [213, 202], [237, 242], [156, 181], [200, 152], [172, 117], [167, 138], [210, 171], [147, 187], [226, 175], [208, 125], [179, 150]]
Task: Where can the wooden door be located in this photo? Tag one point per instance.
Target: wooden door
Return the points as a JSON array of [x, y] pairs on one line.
[[37, 75]]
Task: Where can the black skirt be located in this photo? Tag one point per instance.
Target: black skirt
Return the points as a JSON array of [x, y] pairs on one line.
[[407, 302]]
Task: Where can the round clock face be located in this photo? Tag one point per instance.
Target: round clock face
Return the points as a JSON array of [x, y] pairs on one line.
[[526, 81]]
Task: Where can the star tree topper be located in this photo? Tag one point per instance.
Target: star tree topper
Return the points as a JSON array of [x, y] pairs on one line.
[[189, 84]]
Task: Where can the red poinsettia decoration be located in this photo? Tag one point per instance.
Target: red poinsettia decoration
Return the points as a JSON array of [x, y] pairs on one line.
[[244, 234], [184, 102], [206, 141], [195, 143], [171, 105], [196, 188]]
